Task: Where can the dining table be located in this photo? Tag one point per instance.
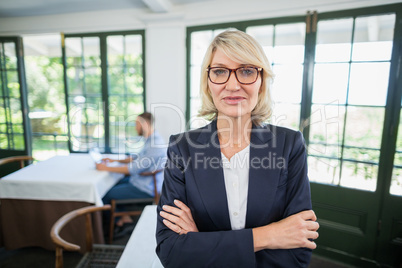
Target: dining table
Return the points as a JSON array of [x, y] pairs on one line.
[[33, 198], [140, 248]]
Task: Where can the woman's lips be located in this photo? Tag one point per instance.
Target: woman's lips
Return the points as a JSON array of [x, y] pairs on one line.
[[233, 100]]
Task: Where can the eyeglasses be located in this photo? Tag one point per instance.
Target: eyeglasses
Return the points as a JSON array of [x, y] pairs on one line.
[[245, 75]]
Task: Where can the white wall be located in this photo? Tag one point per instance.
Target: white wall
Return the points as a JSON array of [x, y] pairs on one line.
[[165, 38], [165, 76]]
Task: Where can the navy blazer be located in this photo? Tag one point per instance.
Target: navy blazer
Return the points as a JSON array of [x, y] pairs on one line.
[[278, 188]]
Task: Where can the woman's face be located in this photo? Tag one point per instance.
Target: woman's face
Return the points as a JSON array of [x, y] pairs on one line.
[[232, 98]]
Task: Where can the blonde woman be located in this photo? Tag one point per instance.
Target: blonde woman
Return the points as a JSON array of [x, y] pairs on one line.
[[236, 192]]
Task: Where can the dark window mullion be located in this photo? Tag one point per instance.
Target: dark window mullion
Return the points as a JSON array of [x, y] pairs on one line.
[[346, 102], [308, 77], [105, 90]]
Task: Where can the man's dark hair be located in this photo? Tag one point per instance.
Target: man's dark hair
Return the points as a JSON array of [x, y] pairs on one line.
[[148, 117]]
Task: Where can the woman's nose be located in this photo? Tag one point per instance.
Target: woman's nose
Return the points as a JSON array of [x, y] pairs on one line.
[[232, 83]]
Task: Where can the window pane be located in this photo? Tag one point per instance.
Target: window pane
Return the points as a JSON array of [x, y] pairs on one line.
[[46, 96], [359, 126], [126, 89], [286, 115], [369, 83], [115, 50], [91, 51], [289, 43], [133, 45], [285, 89], [195, 81], [284, 46], [13, 84], [330, 83], [263, 34], [73, 51], [200, 41], [359, 175], [10, 56], [323, 170], [93, 81], [135, 80], [334, 40], [373, 34], [75, 83], [326, 129], [116, 80], [199, 44]]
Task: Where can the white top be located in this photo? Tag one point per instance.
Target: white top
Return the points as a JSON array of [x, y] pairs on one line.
[[60, 178], [140, 248], [236, 173]]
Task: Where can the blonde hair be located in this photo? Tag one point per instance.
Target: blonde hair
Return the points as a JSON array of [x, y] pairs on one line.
[[242, 48]]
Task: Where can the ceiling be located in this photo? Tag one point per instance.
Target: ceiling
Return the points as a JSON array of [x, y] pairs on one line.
[[22, 8]]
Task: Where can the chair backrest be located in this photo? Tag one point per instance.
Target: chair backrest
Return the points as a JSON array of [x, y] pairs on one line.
[[153, 174], [20, 159], [61, 244], [13, 159]]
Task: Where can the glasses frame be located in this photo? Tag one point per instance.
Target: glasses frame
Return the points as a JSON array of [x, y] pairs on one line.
[[259, 69]]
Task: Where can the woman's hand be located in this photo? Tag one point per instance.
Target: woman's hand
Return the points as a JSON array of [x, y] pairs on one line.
[[178, 219], [295, 231]]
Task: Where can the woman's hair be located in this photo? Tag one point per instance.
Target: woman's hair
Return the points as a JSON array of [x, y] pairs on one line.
[[244, 49]]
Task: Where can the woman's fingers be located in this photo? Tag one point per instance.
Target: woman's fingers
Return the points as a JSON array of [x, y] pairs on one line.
[[179, 216], [173, 227]]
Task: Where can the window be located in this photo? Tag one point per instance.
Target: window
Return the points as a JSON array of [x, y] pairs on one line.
[[200, 41], [47, 106], [11, 116], [351, 72], [284, 47], [105, 90]]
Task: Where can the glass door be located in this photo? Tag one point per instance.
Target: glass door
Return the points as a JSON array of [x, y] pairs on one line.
[[14, 123], [349, 98]]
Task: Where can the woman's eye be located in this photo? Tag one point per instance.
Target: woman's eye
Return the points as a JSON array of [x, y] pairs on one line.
[[219, 72], [247, 71]]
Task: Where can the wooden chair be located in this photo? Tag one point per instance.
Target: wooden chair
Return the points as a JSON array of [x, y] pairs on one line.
[[96, 255], [136, 201], [20, 159], [11, 164]]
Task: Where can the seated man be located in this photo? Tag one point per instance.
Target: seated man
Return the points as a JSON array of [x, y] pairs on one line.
[[152, 157]]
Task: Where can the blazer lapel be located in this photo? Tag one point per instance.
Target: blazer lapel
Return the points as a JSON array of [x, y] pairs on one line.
[[208, 172], [263, 176]]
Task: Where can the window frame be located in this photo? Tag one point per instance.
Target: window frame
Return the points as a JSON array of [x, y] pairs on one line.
[[105, 91]]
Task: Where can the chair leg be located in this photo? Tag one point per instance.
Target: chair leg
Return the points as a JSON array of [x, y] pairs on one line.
[[112, 217], [59, 257]]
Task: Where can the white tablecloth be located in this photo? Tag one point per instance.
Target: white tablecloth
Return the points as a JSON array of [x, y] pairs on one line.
[[60, 178], [140, 249]]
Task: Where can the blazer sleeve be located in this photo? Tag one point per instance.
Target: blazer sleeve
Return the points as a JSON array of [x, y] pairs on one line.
[[232, 248], [298, 197]]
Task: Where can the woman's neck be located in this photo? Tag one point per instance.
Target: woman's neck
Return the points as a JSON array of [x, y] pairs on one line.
[[234, 132]]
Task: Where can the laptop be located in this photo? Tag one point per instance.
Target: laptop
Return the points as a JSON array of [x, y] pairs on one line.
[[96, 155]]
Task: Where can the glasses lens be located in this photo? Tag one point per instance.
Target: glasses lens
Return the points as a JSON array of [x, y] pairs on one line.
[[219, 75], [247, 75]]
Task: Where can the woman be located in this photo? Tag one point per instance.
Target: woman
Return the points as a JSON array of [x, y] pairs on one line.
[[236, 192]]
